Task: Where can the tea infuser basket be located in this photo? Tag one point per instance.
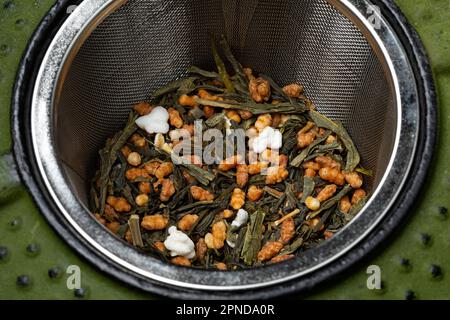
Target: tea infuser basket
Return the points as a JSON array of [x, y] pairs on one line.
[[359, 61]]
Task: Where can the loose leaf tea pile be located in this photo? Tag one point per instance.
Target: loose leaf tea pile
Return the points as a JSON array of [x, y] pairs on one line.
[[297, 183]]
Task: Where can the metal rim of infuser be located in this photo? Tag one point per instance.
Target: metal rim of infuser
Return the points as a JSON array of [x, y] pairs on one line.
[[66, 212]]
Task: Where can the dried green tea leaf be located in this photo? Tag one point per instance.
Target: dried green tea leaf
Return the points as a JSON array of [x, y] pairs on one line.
[[204, 73], [108, 156], [254, 107], [170, 192], [355, 209], [298, 160], [330, 202], [276, 88], [193, 205], [135, 230], [202, 176], [323, 219], [308, 188], [322, 121], [239, 71], [365, 172], [253, 235], [174, 86], [216, 120], [221, 67]]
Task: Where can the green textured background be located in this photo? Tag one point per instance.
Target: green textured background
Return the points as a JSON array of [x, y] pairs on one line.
[[431, 18]]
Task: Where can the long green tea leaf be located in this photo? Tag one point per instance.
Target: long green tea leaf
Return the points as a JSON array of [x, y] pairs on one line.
[[330, 202], [322, 121], [252, 240], [221, 67]]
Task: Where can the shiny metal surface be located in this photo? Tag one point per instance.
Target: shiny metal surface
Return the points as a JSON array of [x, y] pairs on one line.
[[111, 54]]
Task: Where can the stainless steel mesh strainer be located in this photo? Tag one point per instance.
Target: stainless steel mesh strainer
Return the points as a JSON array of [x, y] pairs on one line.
[[109, 55]]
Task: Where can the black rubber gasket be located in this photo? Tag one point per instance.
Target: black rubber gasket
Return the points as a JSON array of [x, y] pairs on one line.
[[29, 173]]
